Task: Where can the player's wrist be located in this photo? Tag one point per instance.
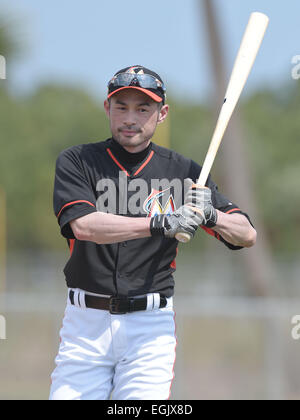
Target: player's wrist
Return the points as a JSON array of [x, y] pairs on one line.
[[186, 219], [157, 225], [200, 197], [211, 217]]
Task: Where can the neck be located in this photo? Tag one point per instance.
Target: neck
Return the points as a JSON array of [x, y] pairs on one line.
[[137, 149], [131, 154]]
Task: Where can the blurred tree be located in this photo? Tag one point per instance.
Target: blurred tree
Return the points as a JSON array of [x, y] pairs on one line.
[[33, 132], [8, 49], [236, 172], [273, 127], [9, 45]]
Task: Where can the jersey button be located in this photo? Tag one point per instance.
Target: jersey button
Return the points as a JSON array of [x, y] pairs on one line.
[[118, 277]]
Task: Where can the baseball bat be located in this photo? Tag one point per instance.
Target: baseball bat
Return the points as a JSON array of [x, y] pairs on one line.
[[244, 61]]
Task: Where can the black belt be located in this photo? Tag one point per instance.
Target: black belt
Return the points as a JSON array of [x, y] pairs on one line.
[[117, 305]]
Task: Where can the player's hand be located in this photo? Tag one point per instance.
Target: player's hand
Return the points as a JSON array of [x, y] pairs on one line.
[[184, 220], [200, 197]]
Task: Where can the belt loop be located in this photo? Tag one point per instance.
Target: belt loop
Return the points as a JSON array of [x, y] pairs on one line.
[[156, 301], [149, 302], [82, 300], [70, 296], [76, 298]]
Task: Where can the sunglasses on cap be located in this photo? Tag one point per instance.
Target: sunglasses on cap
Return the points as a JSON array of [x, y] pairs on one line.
[[145, 81]]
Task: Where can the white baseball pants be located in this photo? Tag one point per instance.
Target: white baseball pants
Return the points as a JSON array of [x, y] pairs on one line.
[[123, 357]]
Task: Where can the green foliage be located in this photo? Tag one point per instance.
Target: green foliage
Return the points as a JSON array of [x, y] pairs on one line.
[[36, 128], [272, 124], [33, 132], [12, 44]]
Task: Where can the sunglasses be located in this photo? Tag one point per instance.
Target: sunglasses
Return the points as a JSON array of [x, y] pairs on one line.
[[146, 81]]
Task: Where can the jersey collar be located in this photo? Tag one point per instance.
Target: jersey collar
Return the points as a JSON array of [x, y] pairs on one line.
[[129, 161]]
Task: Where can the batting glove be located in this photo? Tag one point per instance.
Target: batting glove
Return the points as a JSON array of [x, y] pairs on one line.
[[184, 220], [200, 197]]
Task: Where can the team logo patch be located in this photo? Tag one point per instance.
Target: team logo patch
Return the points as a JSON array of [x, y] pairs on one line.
[[135, 70], [153, 204]]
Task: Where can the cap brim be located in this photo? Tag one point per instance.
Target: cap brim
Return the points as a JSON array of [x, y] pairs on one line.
[[152, 95]]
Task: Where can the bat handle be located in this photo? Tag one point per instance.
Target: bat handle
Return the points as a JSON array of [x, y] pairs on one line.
[[183, 237]]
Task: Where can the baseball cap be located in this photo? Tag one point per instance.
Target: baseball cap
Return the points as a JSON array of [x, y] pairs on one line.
[[140, 78]]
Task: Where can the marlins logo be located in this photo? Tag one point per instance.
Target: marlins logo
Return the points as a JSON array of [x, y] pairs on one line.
[[135, 70], [153, 207]]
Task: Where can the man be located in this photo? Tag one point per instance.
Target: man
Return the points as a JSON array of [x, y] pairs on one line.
[[120, 203]]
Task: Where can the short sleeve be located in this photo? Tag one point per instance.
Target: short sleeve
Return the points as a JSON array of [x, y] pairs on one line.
[[219, 201], [73, 195]]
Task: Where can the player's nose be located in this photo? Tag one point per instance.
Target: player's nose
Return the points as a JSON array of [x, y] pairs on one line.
[[130, 118]]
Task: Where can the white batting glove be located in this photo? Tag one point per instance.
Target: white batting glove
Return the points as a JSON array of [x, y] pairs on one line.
[[200, 197]]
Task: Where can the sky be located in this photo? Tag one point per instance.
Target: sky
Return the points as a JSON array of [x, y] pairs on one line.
[[84, 42]]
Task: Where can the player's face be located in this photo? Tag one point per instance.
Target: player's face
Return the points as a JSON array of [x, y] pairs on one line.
[[133, 118]]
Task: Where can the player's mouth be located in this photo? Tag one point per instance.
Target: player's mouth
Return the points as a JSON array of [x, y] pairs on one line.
[[129, 133]]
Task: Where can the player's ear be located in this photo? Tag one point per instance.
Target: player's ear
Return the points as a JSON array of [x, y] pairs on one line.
[[163, 112], [106, 107]]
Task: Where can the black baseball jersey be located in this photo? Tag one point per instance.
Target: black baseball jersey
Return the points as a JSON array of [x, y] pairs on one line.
[[105, 177]]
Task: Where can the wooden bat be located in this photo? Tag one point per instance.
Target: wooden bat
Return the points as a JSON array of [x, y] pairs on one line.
[[244, 61]]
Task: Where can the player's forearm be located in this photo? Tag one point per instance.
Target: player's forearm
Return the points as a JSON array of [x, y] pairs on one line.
[[235, 229], [105, 228]]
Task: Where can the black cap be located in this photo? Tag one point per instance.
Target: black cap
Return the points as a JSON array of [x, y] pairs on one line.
[[157, 93]]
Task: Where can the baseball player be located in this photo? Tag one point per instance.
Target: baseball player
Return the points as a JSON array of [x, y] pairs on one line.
[[120, 203]]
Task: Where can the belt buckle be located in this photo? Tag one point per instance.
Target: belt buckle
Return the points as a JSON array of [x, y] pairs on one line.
[[114, 306]]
